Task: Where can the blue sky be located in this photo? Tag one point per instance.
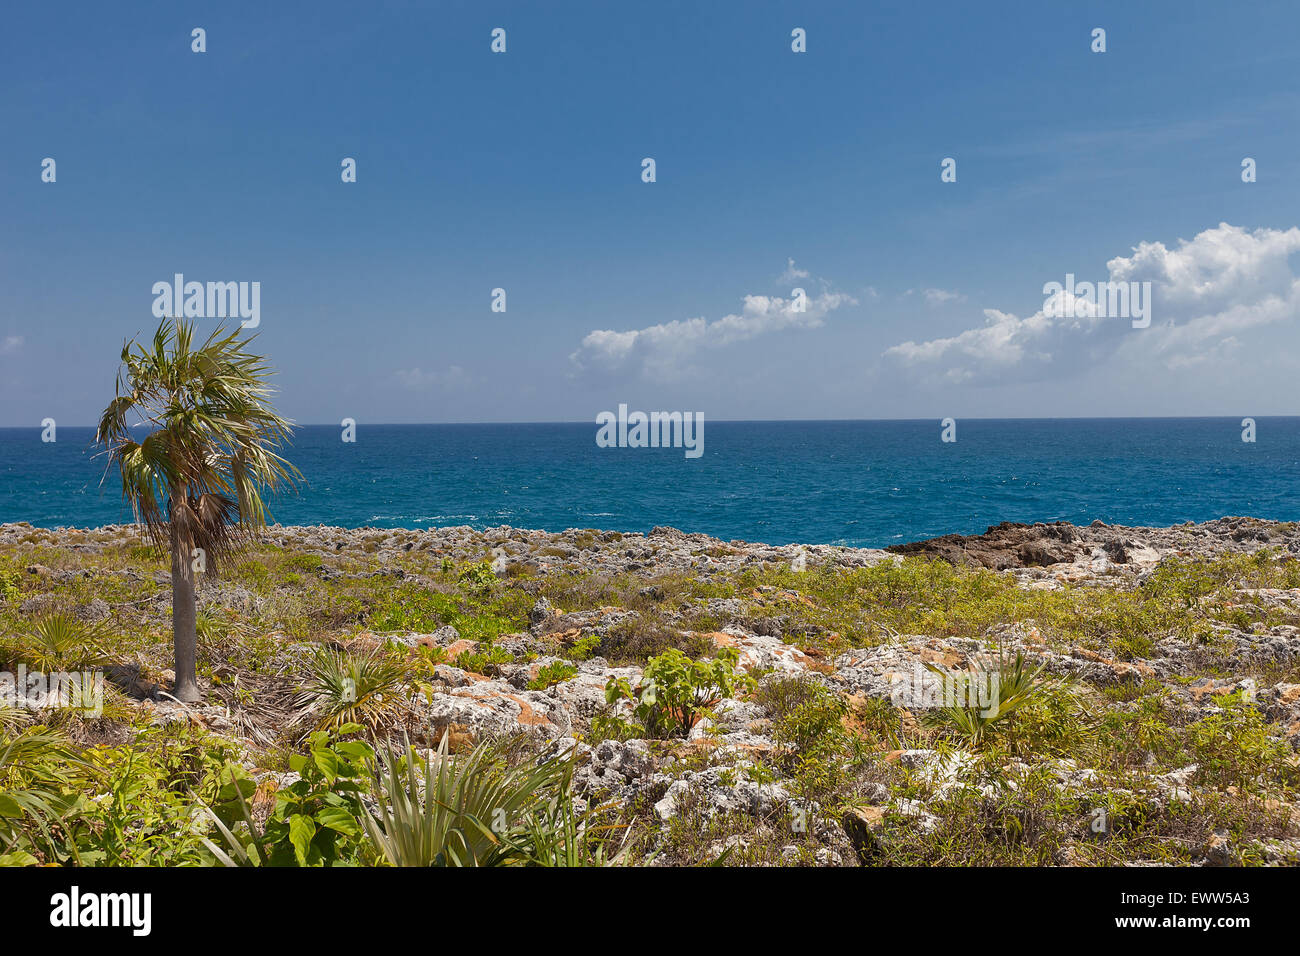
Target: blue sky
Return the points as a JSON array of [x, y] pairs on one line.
[[523, 171]]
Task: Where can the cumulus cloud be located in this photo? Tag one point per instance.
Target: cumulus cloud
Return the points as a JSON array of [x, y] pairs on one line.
[[1204, 294], [661, 351], [10, 344], [416, 378], [1223, 282]]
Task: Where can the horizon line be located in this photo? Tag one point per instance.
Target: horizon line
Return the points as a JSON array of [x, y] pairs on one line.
[[764, 421]]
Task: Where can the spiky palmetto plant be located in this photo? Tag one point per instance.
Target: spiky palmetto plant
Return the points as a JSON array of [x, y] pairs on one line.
[[61, 642], [470, 810], [195, 481], [1011, 683], [341, 688]]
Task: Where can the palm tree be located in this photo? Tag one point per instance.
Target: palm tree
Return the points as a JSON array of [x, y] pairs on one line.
[[195, 482]]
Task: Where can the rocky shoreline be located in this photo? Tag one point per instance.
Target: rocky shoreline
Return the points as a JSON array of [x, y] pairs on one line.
[[1009, 545], [818, 623]]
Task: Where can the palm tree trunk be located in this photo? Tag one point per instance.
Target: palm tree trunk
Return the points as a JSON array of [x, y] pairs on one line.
[[183, 611]]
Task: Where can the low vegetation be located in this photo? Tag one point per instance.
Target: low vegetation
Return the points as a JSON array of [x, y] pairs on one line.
[[319, 658]]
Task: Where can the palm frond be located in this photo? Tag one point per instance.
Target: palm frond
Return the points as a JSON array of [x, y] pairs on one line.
[[213, 448]]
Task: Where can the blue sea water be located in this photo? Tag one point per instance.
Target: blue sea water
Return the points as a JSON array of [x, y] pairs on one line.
[[864, 483]]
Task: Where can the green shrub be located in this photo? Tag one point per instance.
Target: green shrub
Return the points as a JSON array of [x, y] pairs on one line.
[[316, 820], [1234, 748], [673, 690], [147, 789], [476, 617], [127, 805], [411, 608], [551, 674], [10, 586], [486, 659], [584, 648], [478, 579], [808, 727]]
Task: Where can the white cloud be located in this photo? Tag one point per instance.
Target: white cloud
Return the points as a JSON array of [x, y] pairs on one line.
[[792, 274], [1223, 282], [10, 344], [416, 378], [662, 351], [1205, 293], [940, 296]]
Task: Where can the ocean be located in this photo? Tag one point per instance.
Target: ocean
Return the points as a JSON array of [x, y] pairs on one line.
[[861, 483]]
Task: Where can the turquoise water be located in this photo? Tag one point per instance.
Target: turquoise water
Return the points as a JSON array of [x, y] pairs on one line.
[[858, 483]]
